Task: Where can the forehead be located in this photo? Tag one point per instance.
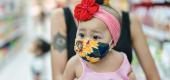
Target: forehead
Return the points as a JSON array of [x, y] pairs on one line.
[[93, 24]]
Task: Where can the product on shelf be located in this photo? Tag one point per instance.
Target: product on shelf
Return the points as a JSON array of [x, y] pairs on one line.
[[155, 15], [11, 29]]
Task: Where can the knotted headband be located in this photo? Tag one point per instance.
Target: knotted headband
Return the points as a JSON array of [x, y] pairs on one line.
[[88, 9]]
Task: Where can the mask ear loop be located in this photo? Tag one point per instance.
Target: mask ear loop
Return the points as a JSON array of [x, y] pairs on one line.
[[110, 43]]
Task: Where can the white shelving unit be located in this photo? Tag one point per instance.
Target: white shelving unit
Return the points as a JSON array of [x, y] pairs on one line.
[[12, 19], [153, 15]]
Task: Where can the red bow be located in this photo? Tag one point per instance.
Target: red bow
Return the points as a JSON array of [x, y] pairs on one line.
[[85, 10]]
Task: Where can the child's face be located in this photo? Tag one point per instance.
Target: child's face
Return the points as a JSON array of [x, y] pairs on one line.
[[93, 29]]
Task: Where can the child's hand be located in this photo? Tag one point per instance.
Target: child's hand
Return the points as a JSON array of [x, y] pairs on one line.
[[132, 76], [75, 79]]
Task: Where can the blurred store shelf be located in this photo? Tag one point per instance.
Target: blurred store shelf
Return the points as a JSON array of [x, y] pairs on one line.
[[17, 66], [12, 30], [157, 34]]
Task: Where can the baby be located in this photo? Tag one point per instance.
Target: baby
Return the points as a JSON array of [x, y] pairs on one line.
[[97, 34]]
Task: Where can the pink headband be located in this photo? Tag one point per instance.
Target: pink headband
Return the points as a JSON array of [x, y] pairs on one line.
[[88, 9], [112, 23]]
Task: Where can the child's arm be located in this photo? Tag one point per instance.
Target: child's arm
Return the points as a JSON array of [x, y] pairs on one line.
[[69, 73], [142, 50]]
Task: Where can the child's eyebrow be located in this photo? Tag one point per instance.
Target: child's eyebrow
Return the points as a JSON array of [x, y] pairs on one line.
[[96, 31], [81, 29]]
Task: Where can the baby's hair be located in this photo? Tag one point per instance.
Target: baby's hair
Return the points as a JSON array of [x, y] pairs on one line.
[[114, 12], [100, 2], [42, 45]]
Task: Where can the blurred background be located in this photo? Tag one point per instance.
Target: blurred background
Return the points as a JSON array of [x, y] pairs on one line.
[[25, 36]]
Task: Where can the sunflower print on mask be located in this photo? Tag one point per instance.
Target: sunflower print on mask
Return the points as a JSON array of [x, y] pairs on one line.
[[92, 59], [91, 50], [85, 47], [88, 45]]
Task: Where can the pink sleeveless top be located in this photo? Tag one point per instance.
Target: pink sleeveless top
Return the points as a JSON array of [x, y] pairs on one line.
[[119, 74]]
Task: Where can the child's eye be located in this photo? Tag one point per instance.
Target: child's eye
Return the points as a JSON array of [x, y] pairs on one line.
[[96, 37], [81, 35]]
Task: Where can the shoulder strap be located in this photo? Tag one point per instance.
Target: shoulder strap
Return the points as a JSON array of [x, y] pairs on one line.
[[71, 31], [125, 67]]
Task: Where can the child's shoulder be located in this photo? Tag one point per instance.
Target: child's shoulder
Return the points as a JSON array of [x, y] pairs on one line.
[[121, 57], [119, 54], [74, 60], [118, 57]]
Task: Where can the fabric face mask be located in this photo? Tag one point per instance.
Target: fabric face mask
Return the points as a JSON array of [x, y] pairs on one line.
[[91, 50]]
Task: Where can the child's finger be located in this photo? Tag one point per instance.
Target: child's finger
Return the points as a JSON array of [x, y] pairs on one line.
[[132, 76]]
